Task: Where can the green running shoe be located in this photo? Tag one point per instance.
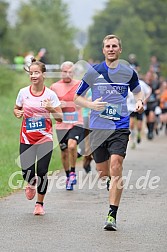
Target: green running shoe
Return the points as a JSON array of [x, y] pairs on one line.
[[110, 224], [138, 138]]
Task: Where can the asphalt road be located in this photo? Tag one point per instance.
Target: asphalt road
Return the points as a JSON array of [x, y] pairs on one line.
[[74, 219]]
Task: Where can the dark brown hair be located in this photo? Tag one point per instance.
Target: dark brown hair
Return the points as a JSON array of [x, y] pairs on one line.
[[38, 63]]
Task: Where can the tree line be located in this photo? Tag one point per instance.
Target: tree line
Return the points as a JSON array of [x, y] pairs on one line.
[[40, 23]]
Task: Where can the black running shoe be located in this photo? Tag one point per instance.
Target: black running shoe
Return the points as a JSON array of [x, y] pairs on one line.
[[108, 183], [150, 135], [138, 138], [87, 168], [86, 163]]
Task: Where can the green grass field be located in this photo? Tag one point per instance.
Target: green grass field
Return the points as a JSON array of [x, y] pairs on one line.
[[9, 135]]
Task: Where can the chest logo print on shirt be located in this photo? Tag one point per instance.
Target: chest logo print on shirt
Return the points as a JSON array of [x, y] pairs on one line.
[[100, 76]]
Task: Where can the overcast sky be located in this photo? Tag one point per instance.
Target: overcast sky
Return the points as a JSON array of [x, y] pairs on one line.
[[81, 11]]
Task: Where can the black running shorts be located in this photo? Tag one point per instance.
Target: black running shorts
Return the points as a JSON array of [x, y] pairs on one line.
[[104, 143], [77, 133]]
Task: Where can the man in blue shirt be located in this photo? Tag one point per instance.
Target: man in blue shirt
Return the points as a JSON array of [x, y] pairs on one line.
[[109, 82]]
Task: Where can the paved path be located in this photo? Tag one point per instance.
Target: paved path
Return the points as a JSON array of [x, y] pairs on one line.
[[74, 220]]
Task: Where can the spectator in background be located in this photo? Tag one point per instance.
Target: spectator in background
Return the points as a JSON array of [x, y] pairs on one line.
[[163, 105], [42, 56], [19, 61], [155, 65], [151, 78], [133, 62], [3, 60], [28, 58]]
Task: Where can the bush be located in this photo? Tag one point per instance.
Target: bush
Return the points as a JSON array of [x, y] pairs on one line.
[[8, 78]]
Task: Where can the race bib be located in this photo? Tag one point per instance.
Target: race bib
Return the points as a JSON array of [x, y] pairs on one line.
[[112, 112], [34, 124], [70, 117], [152, 98]]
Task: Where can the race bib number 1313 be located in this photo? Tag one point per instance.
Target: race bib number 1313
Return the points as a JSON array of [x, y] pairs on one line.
[[35, 124]]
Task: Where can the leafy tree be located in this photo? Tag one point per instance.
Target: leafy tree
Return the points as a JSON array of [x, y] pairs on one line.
[[3, 23], [132, 42], [44, 24], [140, 24], [153, 14]]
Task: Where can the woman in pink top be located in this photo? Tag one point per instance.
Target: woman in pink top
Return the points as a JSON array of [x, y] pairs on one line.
[[34, 104]]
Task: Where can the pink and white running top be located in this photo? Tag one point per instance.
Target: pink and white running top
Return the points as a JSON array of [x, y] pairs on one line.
[[36, 125], [72, 114]]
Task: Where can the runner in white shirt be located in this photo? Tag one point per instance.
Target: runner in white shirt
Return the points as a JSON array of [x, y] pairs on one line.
[[136, 119], [34, 104]]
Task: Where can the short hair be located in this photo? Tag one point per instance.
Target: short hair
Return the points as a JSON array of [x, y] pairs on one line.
[[112, 36], [67, 63]]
